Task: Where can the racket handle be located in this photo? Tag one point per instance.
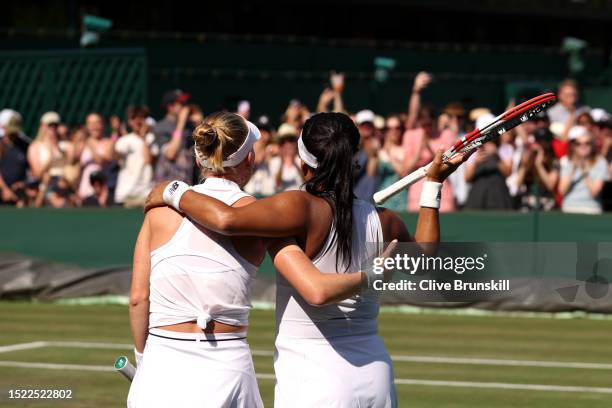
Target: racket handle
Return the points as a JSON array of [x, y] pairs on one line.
[[383, 195], [123, 365]]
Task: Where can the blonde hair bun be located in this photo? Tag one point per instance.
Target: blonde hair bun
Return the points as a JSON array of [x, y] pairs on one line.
[[218, 136]]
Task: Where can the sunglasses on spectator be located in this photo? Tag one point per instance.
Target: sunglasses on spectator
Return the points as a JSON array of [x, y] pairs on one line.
[[394, 128], [582, 143]]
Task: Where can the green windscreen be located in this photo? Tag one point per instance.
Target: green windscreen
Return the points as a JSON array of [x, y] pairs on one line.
[[71, 82]]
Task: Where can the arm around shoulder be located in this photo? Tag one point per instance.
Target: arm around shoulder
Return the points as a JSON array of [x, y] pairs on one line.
[[283, 215], [315, 287]]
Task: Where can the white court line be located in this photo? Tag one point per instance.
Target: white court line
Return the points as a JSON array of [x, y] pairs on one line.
[[398, 381], [23, 346], [482, 361], [502, 362], [84, 344], [394, 357], [505, 386], [83, 367]]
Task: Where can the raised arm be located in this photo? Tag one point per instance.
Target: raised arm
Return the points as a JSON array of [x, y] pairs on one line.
[[427, 233], [421, 80], [283, 215], [173, 147]]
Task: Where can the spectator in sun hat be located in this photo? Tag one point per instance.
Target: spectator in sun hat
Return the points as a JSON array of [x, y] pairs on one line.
[[475, 113], [48, 156], [12, 165], [600, 115], [173, 138], [367, 178], [7, 117], [583, 174], [285, 168], [12, 118], [364, 119]]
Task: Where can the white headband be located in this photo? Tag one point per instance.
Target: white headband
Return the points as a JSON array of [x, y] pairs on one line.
[[239, 155], [306, 156]]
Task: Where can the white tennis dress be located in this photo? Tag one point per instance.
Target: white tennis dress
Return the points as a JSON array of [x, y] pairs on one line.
[[198, 276], [332, 356]]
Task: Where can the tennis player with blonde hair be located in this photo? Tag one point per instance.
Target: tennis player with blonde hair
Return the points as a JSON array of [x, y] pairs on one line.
[[190, 296], [328, 356]]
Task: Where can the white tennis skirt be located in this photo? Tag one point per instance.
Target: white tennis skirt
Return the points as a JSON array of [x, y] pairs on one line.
[[341, 372], [176, 371]]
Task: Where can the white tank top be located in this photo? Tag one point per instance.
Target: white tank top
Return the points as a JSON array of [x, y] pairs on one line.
[[354, 316], [198, 274]]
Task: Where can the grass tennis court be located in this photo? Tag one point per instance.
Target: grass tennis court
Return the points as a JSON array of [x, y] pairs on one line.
[[439, 360]]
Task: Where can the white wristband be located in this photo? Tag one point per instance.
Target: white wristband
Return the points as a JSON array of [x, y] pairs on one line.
[[173, 193], [138, 357], [431, 194]]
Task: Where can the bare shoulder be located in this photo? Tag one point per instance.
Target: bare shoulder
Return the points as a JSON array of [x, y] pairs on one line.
[[294, 199], [393, 226], [244, 201], [162, 219], [163, 211]]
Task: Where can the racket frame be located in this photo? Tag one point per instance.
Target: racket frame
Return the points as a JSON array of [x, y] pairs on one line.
[[498, 126]]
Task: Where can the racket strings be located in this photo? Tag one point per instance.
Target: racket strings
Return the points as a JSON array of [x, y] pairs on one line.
[[477, 138]]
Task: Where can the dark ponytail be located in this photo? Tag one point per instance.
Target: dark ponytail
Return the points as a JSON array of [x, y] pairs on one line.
[[333, 139]]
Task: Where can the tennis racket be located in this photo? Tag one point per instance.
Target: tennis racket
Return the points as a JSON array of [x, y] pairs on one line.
[[498, 126], [123, 366]]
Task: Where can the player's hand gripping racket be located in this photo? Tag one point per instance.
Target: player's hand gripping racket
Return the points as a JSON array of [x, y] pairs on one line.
[[500, 125]]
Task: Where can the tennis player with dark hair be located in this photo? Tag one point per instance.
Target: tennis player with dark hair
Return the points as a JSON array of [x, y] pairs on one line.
[[190, 294], [328, 356]]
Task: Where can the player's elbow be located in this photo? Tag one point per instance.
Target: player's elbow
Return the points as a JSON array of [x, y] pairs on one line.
[[317, 297], [139, 297], [317, 300], [225, 223]]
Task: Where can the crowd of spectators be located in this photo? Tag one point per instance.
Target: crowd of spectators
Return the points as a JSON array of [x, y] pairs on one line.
[[562, 160]]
